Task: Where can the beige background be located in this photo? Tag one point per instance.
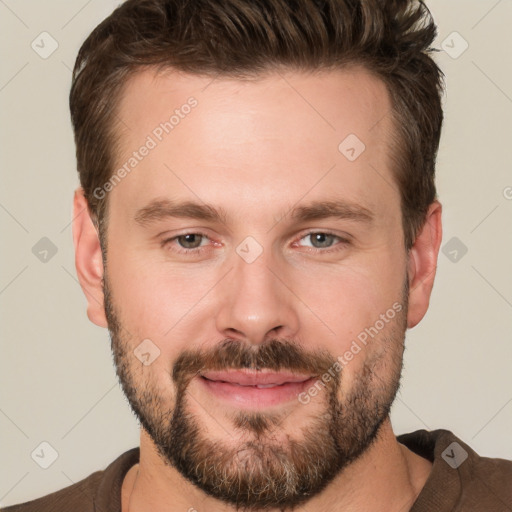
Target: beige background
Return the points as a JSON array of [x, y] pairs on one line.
[[57, 379]]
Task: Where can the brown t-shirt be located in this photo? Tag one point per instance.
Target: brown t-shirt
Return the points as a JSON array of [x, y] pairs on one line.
[[460, 481]]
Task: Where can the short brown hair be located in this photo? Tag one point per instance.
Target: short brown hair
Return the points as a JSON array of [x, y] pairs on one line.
[[240, 38]]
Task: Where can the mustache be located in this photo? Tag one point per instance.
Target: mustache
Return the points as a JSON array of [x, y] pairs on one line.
[[275, 355]]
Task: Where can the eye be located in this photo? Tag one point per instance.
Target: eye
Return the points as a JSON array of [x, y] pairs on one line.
[[190, 240], [322, 240], [187, 243]]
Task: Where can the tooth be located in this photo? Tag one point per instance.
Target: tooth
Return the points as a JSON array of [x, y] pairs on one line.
[[262, 386]]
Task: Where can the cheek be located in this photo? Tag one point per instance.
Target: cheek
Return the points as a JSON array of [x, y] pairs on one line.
[[349, 298], [158, 301]]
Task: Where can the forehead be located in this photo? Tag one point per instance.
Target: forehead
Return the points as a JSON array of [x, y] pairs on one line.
[[290, 131], [348, 98]]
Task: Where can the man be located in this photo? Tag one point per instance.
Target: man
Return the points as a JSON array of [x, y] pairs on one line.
[[257, 226]]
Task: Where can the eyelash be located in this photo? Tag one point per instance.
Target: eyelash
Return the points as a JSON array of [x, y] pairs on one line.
[[343, 242]]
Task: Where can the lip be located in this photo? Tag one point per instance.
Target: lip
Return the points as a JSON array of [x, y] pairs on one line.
[[239, 388], [254, 378]]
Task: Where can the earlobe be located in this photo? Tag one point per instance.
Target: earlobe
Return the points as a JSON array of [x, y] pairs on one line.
[[88, 259], [422, 264]]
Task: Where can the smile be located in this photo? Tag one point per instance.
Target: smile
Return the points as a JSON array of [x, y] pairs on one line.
[[254, 389]]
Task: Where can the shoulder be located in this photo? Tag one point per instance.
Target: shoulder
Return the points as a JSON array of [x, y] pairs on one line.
[[460, 479], [99, 491], [78, 497]]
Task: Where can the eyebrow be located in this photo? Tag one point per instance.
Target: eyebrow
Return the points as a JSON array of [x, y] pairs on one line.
[[339, 209], [162, 209]]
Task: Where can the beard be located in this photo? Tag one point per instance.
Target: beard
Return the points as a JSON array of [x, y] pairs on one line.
[[266, 467]]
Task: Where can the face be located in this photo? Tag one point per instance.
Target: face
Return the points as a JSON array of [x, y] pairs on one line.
[[246, 248]]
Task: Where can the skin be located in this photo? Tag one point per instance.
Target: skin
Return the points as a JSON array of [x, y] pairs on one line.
[[257, 149]]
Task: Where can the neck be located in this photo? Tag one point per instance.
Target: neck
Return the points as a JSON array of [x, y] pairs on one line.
[[387, 477]]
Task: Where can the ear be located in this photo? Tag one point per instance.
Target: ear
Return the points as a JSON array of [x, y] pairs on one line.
[[88, 259], [422, 264]]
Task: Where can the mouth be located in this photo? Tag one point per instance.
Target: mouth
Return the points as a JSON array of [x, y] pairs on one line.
[[255, 389]]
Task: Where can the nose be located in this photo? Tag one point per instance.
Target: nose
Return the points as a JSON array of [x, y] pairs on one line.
[[256, 303]]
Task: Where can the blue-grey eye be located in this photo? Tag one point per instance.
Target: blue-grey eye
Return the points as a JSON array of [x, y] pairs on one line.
[[321, 240], [190, 240]]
